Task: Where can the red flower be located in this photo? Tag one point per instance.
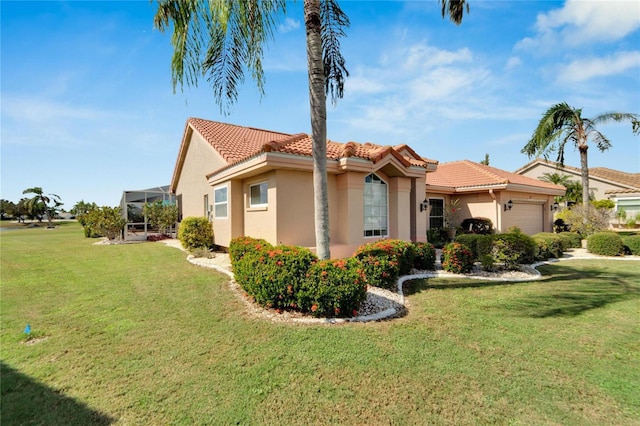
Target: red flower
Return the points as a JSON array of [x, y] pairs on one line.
[[337, 311], [354, 313], [314, 307]]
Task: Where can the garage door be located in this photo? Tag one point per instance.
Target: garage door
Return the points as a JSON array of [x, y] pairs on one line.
[[528, 217]]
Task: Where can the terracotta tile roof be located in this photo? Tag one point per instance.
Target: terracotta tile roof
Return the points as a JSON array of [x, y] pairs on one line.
[[468, 174], [237, 144], [234, 142], [624, 178], [631, 179]]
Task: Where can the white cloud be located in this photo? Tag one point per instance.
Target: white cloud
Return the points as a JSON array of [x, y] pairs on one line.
[[581, 22], [289, 25], [513, 62], [585, 69]]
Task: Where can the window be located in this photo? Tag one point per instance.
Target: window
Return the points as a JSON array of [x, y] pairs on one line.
[[436, 213], [375, 207], [258, 195], [220, 203]]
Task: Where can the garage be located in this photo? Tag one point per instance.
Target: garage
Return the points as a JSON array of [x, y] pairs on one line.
[[528, 217]]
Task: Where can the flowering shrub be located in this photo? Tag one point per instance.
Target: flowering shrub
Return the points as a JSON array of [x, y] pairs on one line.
[[238, 247], [480, 245], [425, 256], [333, 288], [379, 271], [457, 258], [277, 274], [398, 251]]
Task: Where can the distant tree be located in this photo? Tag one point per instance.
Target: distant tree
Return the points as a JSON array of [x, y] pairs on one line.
[[561, 124], [103, 221], [161, 215], [81, 208], [20, 210], [6, 208], [43, 204], [486, 160]]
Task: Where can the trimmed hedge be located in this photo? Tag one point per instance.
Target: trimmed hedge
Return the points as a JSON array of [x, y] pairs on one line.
[[195, 232], [548, 245], [605, 244], [571, 239], [457, 258], [425, 256], [632, 242], [477, 225], [479, 244]]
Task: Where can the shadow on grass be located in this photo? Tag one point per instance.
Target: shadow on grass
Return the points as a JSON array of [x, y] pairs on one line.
[[26, 401], [572, 291], [566, 290]]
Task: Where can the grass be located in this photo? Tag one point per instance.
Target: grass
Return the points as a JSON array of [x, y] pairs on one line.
[[134, 334]]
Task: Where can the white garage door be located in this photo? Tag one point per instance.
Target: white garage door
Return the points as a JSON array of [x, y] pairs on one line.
[[528, 217]]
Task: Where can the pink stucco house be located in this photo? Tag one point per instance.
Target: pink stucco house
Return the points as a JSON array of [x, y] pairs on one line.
[[259, 183]]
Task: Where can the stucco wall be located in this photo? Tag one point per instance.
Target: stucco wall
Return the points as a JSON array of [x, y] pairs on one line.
[[260, 222], [200, 160], [295, 208]]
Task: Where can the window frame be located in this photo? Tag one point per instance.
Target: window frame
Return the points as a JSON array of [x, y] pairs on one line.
[[221, 203], [266, 193], [431, 216], [380, 231]]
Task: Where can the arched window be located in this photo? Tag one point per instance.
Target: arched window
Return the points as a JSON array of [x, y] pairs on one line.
[[375, 207]]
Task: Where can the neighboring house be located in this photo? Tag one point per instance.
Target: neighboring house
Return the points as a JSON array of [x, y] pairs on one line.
[[131, 204], [507, 199], [621, 187], [259, 183]]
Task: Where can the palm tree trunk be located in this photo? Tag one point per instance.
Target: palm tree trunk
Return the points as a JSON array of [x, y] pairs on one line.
[[317, 100], [584, 171]]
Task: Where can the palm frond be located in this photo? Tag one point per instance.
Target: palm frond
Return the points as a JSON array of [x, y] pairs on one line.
[[333, 21], [601, 140], [219, 40], [455, 9]]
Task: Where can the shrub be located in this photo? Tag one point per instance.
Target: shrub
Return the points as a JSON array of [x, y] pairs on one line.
[[513, 248], [195, 232], [571, 239], [548, 245], [161, 216], [380, 271], [103, 221], [457, 258], [487, 261], [383, 261], [477, 225], [585, 220], [560, 226], [333, 288], [479, 245], [425, 256], [238, 247], [632, 242], [437, 236], [605, 243], [279, 275]]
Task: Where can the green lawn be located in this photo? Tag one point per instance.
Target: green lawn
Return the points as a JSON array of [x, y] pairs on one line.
[[134, 334]]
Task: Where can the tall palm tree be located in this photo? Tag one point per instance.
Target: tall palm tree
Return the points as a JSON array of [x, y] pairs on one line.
[[219, 40], [42, 201], [561, 124]]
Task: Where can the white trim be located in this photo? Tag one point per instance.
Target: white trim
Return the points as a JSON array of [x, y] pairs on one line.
[[225, 203], [261, 205]]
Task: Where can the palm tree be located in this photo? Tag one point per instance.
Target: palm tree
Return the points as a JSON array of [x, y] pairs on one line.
[[563, 123], [219, 40], [41, 201]]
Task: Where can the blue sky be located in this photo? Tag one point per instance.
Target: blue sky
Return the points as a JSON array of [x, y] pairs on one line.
[[88, 110]]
